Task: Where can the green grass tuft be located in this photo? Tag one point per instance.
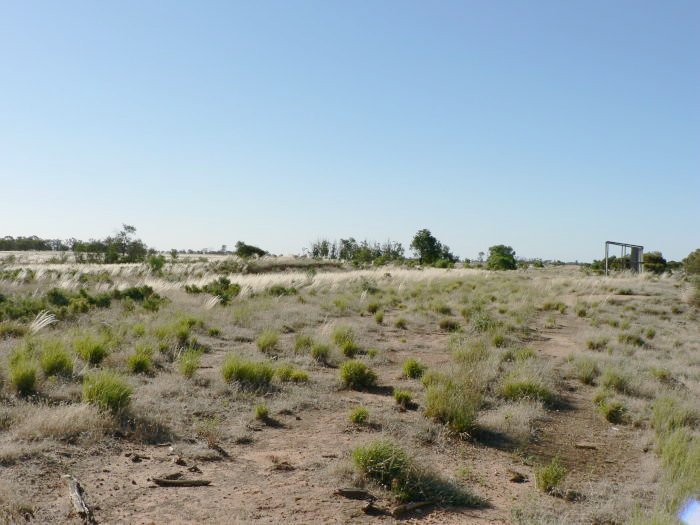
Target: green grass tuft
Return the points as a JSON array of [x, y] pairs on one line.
[[108, 390], [250, 374], [357, 375]]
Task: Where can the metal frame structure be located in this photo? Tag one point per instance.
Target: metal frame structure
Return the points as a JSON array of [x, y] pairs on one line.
[[635, 249]]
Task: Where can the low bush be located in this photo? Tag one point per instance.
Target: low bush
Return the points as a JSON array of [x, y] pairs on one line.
[[413, 369], [518, 354], [548, 477], [359, 416], [373, 307], [586, 370], [357, 375], [379, 317], [597, 344], [288, 373], [615, 380], [23, 376], [278, 290], [267, 341], [249, 374], [90, 348], [613, 411], [453, 403], [401, 323], [302, 343], [188, 362], [630, 339], [403, 398], [55, 360], [449, 325], [515, 388], [140, 362], [262, 413], [320, 352], [108, 390]]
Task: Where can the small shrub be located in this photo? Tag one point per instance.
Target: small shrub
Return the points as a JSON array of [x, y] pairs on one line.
[[357, 375], [12, 329], [320, 352], [597, 344], [499, 341], [91, 349], [650, 333], [630, 339], [302, 343], [581, 312], [107, 390], [23, 376], [140, 362], [518, 354], [413, 369], [515, 388], [442, 309], [277, 290], [586, 370], [359, 416], [214, 332], [387, 464], [379, 317], [401, 323], [614, 380], [452, 403], [449, 325], [402, 397], [250, 374], [613, 411], [343, 336], [558, 306], [54, 359], [373, 307], [267, 341], [548, 477], [288, 373], [483, 322], [262, 413], [188, 363]]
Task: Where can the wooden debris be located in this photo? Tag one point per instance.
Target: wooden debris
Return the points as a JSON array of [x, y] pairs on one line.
[[77, 498], [176, 480], [517, 477], [410, 507], [587, 446], [353, 493]]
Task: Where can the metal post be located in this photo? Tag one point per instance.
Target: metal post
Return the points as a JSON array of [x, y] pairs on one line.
[[606, 258]]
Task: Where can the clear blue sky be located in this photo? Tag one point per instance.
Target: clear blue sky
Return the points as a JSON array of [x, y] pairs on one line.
[[550, 126]]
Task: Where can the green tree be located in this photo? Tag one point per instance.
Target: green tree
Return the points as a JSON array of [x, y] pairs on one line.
[[654, 262], [246, 250], [429, 250], [691, 264], [501, 257]]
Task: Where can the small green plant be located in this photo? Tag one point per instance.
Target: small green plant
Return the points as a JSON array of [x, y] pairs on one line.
[[518, 354], [320, 352], [343, 336], [403, 398], [514, 388], [214, 332], [91, 349], [413, 369], [453, 403], [586, 370], [188, 363], [379, 317], [442, 309], [250, 374], [613, 411], [373, 307], [597, 344], [55, 360], [401, 323], [614, 380], [140, 362], [23, 374], [449, 325], [262, 413], [108, 390], [302, 343], [357, 375], [499, 341], [387, 464], [267, 341], [630, 339], [650, 333], [549, 476], [359, 416], [288, 373]]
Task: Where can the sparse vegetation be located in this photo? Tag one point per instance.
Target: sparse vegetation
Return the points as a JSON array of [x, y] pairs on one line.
[[267, 341], [413, 369], [249, 374], [108, 390], [359, 416], [548, 477]]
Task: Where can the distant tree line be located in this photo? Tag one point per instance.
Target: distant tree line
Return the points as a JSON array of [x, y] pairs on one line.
[[33, 243], [363, 252]]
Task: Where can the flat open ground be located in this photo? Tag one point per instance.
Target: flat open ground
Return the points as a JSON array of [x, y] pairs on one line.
[[552, 363]]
